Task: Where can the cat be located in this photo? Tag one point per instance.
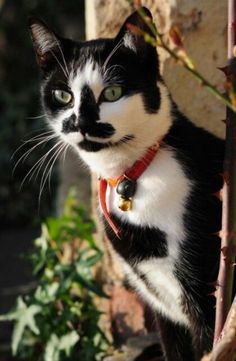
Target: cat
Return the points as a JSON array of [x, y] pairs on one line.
[[107, 99]]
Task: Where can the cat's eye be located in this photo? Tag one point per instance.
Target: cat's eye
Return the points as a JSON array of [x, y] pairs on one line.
[[112, 93], [62, 96]]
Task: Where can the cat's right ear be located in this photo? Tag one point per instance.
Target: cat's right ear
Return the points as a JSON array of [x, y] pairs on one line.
[[46, 43]]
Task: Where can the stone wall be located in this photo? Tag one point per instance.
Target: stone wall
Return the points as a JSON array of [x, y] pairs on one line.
[[203, 24]]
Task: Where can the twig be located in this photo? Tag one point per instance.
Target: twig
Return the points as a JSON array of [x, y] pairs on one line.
[[228, 234], [225, 349], [184, 60]]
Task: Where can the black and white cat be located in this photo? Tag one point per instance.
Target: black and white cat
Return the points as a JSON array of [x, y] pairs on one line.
[[107, 99]]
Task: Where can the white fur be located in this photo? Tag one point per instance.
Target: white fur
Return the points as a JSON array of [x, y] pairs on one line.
[[159, 202], [160, 276], [89, 75], [129, 41]]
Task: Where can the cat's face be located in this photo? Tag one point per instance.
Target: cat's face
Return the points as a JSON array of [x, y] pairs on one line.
[[104, 97]]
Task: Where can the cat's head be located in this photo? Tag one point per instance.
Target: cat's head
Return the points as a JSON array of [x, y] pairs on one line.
[[105, 97]]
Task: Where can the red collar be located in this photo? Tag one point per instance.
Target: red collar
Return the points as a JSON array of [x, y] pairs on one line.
[[131, 174]]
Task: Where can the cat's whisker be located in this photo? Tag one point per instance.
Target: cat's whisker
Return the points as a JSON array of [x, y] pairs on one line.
[[111, 75], [63, 57], [36, 164], [37, 170], [59, 63], [38, 130], [28, 152], [62, 153], [41, 135], [37, 117], [118, 45], [49, 168]]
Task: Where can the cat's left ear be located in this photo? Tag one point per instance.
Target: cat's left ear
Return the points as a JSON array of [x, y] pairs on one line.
[[135, 26], [46, 43]]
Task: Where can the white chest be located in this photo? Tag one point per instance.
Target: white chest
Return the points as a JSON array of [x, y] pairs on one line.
[[160, 199], [159, 202]]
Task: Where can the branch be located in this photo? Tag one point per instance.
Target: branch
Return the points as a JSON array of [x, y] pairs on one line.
[[225, 349], [228, 234], [180, 56]]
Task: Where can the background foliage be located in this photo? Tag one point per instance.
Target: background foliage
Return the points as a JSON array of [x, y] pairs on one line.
[[59, 320]]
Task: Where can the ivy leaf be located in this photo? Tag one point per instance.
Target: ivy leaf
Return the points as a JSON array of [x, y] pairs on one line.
[[68, 341], [41, 243], [47, 293], [55, 345], [52, 352], [24, 317]]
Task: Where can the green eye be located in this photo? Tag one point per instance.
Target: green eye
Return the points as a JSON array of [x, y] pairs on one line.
[[61, 96], [112, 93]]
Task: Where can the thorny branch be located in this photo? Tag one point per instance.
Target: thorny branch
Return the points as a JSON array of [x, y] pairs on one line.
[[228, 234]]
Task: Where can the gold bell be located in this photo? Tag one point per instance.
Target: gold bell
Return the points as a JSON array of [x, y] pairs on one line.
[[125, 204]]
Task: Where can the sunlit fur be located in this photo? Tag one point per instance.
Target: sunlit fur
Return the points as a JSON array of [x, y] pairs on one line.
[[169, 247]]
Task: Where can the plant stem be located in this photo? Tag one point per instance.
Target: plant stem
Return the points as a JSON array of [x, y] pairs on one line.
[[225, 349], [228, 238], [186, 64]]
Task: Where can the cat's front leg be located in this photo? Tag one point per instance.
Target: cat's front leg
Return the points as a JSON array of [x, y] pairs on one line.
[[176, 341]]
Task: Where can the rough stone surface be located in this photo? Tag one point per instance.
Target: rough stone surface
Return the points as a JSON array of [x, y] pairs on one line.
[[134, 349], [127, 314], [204, 27]]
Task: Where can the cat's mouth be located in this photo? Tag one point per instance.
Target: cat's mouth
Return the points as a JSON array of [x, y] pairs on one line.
[[94, 144]]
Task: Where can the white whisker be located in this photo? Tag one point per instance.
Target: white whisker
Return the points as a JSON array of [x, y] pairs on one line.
[[34, 139], [35, 165], [62, 68], [63, 58], [64, 155], [118, 45], [27, 153], [48, 167], [37, 117]]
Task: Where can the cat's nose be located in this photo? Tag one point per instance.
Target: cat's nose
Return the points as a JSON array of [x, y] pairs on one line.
[[75, 124], [84, 125]]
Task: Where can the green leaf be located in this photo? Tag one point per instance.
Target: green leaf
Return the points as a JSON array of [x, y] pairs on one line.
[[47, 293], [56, 344], [25, 317], [68, 341], [52, 352]]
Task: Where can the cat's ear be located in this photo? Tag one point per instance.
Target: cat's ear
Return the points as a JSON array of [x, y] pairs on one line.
[[46, 43], [135, 26]]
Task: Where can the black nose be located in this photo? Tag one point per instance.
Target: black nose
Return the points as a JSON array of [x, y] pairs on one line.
[[74, 124], [85, 125]]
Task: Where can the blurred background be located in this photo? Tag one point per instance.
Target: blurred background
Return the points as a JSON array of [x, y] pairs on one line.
[[21, 119]]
